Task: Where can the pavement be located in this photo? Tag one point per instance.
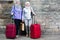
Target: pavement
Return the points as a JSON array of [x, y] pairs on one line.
[[43, 37]]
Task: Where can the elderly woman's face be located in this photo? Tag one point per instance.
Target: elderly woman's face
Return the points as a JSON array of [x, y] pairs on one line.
[[27, 4], [18, 2]]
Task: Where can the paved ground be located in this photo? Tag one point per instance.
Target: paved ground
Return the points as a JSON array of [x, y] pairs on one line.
[[44, 37]]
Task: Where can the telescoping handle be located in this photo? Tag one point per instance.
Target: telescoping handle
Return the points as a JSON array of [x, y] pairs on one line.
[[12, 19], [33, 19]]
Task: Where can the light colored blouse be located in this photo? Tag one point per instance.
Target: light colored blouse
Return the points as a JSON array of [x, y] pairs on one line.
[[27, 13]]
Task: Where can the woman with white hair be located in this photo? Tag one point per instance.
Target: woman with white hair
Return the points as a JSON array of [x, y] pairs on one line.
[[27, 11], [16, 12]]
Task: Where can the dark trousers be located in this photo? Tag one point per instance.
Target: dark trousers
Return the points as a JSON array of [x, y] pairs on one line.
[[17, 23]]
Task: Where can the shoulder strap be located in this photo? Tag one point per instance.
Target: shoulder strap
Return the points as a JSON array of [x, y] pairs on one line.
[[21, 13], [14, 8]]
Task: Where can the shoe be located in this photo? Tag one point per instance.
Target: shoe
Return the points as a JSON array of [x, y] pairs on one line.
[[27, 35], [17, 36]]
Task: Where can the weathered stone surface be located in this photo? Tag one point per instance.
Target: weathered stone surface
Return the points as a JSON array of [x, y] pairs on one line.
[[5, 8], [6, 0], [48, 14]]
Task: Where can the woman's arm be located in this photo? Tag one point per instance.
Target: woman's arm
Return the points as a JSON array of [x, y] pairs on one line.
[[32, 11], [12, 10]]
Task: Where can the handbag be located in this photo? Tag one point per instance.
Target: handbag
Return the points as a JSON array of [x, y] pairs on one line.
[[22, 26]]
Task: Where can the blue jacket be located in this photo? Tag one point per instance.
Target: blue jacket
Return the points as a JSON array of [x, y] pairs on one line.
[[17, 12]]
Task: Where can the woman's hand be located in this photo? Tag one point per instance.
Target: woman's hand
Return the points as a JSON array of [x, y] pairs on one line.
[[34, 14], [22, 20], [11, 13]]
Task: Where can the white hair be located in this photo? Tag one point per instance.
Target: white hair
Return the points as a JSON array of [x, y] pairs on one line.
[[27, 2]]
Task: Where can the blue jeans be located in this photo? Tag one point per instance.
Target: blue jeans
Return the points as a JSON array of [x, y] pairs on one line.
[[28, 23]]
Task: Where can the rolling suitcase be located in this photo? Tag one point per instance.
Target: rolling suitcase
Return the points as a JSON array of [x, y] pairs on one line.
[[10, 31], [35, 31]]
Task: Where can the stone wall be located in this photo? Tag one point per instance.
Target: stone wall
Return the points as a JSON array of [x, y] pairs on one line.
[[48, 15], [5, 8]]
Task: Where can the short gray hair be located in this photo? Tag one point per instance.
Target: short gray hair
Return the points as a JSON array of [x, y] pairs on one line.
[[16, 1]]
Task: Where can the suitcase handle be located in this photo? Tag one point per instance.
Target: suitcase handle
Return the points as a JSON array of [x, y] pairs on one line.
[[12, 20], [33, 20]]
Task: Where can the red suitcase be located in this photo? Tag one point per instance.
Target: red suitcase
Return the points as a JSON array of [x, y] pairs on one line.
[[35, 31], [10, 31]]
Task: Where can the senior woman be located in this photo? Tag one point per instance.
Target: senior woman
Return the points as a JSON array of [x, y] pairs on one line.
[[27, 17], [16, 12]]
